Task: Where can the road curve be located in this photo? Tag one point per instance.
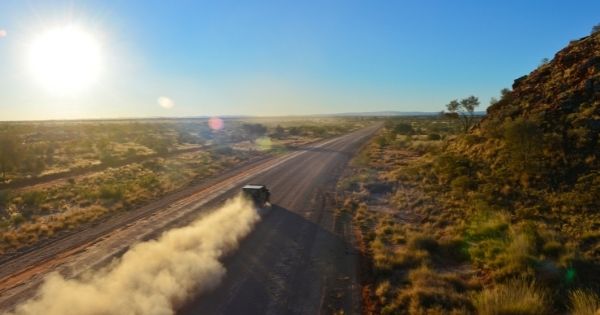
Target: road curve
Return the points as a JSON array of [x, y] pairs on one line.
[[296, 261]]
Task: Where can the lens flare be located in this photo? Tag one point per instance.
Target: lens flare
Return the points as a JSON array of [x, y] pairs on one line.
[[216, 123], [165, 102], [264, 143]]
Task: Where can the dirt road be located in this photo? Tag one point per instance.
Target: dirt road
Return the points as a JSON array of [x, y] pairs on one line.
[[296, 261]]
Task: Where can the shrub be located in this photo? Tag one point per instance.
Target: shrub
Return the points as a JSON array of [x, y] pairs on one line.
[[4, 197], [149, 181], [108, 159], [113, 192], [448, 166], [382, 141], [33, 198], [403, 129], [434, 137], [17, 218], [517, 296]]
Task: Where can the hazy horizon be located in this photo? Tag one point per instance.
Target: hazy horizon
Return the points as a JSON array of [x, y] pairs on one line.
[[129, 60]]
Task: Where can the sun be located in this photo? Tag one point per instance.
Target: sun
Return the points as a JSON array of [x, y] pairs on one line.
[[65, 59]]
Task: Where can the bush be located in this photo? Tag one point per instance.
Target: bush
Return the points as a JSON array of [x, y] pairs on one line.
[[34, 198], [403, 129], [434, 137], [448, 167], [149, 181], [382, 141], [107, 158], [17, 218], [517, 296], [4, 197], [112, 192]]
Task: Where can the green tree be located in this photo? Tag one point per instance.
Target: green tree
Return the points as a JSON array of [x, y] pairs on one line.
[[463, 110], [10, 151], [596, 29]]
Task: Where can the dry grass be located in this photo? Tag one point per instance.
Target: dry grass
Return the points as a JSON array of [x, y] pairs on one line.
[[517, 296], [41, 213], [584, 303]]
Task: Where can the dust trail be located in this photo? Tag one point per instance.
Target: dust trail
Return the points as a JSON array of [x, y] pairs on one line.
[[153, 277]]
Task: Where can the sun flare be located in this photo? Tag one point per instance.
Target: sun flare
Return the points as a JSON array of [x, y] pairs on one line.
[[65, 59]]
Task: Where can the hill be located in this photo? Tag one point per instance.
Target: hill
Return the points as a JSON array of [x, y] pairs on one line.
[[548, 125], [502, 219]]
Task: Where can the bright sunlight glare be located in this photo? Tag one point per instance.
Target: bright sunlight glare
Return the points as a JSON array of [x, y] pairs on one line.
[[65, 60]]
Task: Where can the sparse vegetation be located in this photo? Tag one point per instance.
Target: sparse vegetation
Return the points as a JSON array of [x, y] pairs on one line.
[[463, 110], [498, 220], [129, 164]]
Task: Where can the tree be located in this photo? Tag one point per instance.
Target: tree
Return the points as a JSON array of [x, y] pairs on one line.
[[10, 150], [463, 110], [504, 93], [596, 29], [254, 130], [279, 132]]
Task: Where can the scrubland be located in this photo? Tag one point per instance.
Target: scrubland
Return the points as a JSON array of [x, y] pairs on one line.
[[442, 232], [100, 168]]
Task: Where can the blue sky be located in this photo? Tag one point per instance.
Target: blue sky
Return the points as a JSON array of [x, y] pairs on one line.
[[286, 57]]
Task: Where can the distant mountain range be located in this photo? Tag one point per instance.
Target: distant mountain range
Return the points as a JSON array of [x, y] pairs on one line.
[[390, 113], [234, 117]]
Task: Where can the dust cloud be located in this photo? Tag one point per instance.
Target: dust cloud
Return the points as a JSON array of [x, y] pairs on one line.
[[153, 277]]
